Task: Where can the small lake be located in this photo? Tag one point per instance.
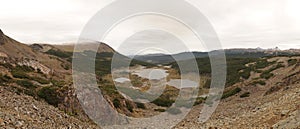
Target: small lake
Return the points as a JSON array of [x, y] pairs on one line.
[[158, 75], [122, 80], [151, 74], [182, 83]]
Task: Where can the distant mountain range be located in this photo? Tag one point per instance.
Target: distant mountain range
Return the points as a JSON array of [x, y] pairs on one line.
[[238, 53]]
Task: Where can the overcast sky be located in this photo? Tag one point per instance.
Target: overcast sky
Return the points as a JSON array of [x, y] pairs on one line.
[[238, 23]]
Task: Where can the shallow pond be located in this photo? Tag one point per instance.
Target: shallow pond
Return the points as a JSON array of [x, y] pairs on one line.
[[182, 83], [151, 74], [122, 80]]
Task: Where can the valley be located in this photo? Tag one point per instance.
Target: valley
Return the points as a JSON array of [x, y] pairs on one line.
[[37, 90]]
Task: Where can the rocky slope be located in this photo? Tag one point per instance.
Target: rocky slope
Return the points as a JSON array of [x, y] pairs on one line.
[[36, 91], [275, 104], [21, 111], [27, 71]]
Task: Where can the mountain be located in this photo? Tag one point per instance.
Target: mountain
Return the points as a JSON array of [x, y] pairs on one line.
[[86, 46], [234, 53], [19, 53]]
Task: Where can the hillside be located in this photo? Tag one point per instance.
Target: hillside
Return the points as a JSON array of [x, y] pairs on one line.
[[22, 111], [230, 53], [263, 102], [26, 71], [37, 91]]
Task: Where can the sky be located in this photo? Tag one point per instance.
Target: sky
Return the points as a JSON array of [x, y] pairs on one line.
[[239, 24]]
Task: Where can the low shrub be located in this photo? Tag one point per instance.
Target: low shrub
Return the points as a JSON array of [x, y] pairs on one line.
[[140, 105], [244, 95], [261, 82], [199, 100], [4, 78], [59, 53], [40, 80], [246, 73], [231, 92], [24, 68], [26, 84], [163, 101], [7, 65], [116, 103], [266, 75], [50, 95], [129, 106], [58, 83], [19, 74], [292, 62], [160, 110]]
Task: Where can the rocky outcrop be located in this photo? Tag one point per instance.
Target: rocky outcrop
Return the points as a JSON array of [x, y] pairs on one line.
[[36, 47], [24, 112], [3, 55], [292, 122], [36, 65], [1, 37]]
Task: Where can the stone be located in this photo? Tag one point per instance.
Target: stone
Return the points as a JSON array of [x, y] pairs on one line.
[[2, 122], [284, 112], [19, 124]]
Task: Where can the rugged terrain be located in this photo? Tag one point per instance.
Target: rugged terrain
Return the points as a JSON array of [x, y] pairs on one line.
[[36, 88], [269, 103]]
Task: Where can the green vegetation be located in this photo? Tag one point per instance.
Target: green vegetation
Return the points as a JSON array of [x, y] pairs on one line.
[[263, 63], [40, 80], [21, 71], [26, 84], [66, 66], [4, 78], [292, 62], [136, 81], [19, 74], [50, 95], [129, 106], [261, 82], [267, 74], [163, 101], [246, 73], [199, 100], [7, 65], [109, 90], [160, 110], [231, 92], [116, 103], [58, 83], [234, 66], [140, 105], [59, 53], [244, 95]]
